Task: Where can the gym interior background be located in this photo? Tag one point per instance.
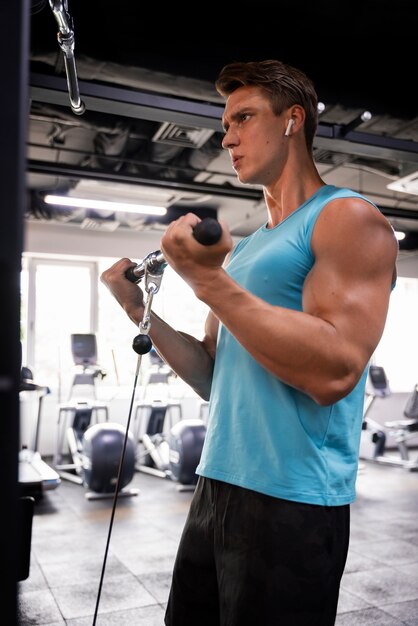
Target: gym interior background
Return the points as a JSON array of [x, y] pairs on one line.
[[140, 122]]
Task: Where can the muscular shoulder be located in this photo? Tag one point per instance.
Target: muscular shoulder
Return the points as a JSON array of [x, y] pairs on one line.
[[352, 222]]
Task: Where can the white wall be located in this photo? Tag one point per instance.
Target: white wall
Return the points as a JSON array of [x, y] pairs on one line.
[[45, 238]]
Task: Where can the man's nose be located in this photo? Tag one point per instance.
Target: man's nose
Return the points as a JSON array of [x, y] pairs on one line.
[[229, 140]]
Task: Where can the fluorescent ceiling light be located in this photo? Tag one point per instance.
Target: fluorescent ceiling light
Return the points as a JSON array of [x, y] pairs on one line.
[[407, 184], [121, 192], [105, 205]]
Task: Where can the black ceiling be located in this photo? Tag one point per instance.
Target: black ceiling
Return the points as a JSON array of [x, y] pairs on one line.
[[361, 53]]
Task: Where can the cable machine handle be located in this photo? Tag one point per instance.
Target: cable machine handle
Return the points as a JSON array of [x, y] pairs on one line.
[[207, 232]]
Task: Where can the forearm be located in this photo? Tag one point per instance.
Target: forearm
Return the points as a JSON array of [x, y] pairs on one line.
[[188, 357]]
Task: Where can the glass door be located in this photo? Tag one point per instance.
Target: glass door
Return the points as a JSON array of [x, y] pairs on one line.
[[61, 299]]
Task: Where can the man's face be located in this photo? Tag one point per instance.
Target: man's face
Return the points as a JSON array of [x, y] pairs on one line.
[[254, 136]]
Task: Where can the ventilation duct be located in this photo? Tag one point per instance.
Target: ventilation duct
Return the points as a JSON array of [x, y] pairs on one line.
[[184, 136]]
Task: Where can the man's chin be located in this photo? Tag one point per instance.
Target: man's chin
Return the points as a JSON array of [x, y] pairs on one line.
[[242, 178]]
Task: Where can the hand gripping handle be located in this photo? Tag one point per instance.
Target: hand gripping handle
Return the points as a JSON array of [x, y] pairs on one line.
[[207, 232]]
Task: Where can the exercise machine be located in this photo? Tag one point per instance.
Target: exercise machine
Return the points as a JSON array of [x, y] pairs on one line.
[[168, 446], [101, 470], [172, 454], [35, 475], [375, 436], [89, 447], [95, 451], [84, 352]]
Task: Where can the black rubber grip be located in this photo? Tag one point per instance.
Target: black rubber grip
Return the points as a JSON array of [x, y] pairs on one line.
[[129, 274], [208, 231]]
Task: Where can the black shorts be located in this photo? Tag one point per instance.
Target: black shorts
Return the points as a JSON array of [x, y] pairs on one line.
[[249, 559]]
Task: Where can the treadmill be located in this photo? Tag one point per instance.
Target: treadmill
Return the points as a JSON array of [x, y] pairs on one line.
[[35, 476]]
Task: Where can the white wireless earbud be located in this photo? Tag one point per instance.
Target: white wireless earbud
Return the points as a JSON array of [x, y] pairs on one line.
[[289, 127]]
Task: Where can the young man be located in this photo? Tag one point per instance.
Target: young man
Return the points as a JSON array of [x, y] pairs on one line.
[[296, 311]]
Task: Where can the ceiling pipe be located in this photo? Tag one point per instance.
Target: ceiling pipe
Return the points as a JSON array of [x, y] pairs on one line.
[[66, 42], [366, 116]]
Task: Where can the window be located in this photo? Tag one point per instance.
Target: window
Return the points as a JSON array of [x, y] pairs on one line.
[[398, 348], [57, 300]]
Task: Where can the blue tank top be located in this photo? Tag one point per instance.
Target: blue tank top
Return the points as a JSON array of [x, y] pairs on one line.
[[263, 434]]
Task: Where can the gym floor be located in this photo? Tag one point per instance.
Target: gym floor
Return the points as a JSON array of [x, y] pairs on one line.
[[69, 537]]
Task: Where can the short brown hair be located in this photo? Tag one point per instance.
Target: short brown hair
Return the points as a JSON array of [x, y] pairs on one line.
[[285, 85]]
